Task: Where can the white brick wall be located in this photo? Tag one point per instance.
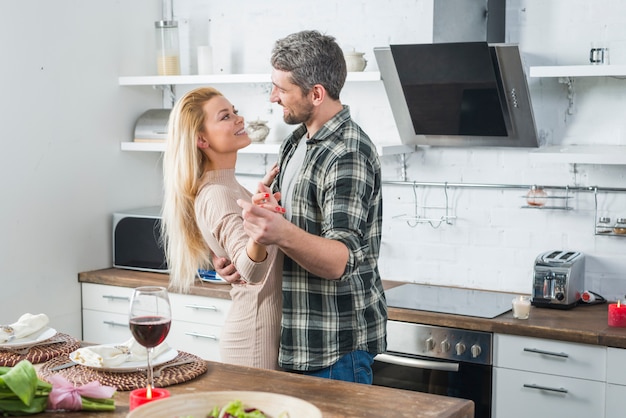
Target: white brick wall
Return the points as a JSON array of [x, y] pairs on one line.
[[493, 242]]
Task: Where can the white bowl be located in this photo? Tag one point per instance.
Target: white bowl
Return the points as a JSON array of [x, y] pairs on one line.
[[198, 405]]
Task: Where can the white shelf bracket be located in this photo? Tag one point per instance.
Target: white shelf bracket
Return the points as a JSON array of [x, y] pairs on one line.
[[168, 93], [570, 93], [403, 175]]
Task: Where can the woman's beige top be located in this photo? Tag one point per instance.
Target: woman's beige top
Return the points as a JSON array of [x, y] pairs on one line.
[[251, 334]]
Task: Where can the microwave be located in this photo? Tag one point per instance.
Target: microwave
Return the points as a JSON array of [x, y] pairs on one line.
[[137, 240]]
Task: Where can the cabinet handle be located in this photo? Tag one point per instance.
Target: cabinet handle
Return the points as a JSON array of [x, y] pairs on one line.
[[207, 308], [113, 297], [196, 334], [539, 387], [547, 353], [115, 324]]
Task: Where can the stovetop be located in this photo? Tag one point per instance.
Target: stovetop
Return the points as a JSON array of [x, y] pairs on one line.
[[449, 300]]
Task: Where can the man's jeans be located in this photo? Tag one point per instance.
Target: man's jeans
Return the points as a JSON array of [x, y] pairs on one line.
[[352, 367]]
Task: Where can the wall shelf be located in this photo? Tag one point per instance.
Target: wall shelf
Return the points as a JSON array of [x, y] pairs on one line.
[[272, 148], [362, 76], [578, 71], [158, 80], [581, 154]]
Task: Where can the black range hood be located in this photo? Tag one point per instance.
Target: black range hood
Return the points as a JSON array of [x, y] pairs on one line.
[[458, 94]]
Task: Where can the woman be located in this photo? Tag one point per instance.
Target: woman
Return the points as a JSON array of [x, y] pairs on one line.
[[201, 216]]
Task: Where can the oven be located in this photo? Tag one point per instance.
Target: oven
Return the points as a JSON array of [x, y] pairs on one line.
[[440, 360]]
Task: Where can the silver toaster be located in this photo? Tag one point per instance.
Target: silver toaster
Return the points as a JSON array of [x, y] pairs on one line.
[[558, 279]]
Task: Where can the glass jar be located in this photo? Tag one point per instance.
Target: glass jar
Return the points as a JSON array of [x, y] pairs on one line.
[[603, 226], [167, 47], [620, 226], [536, 196]]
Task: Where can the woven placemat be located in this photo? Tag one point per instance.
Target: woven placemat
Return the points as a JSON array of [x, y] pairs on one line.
[[42, 353], [81, 375]]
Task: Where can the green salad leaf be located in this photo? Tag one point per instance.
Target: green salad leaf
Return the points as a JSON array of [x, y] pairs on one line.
[[235, 409]]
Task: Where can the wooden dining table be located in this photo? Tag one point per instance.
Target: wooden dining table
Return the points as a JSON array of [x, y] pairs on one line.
[[335, 399]]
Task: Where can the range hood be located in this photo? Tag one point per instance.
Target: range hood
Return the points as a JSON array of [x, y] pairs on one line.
[[458, 94]]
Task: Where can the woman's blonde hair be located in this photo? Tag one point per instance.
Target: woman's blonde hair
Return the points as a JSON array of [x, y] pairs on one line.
[[185, 249]]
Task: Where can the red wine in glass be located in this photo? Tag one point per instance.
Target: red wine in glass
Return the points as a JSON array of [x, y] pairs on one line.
[[150, 331], [149, 321]]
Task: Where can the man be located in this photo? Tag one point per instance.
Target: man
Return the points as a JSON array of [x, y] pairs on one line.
[[334, 308]]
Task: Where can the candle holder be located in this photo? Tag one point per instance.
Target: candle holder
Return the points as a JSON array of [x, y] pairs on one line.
[[139, 396], [521, 307]]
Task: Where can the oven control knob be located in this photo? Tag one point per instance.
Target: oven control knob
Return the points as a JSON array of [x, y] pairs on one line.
[[476, 350], [430, 344], [459, 348], [445, 346]]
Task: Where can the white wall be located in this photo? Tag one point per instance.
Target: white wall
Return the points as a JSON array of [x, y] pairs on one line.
[[64, 116], [62, 173], [493, 242]]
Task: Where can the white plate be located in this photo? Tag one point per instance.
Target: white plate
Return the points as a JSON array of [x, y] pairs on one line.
[[35, 338], [131, 366], [200, 404]]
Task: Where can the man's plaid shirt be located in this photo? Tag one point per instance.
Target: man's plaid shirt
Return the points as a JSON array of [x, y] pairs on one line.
[[338, 196]]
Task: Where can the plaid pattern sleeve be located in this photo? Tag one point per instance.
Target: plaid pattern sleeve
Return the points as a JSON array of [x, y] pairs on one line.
[[337, 196]]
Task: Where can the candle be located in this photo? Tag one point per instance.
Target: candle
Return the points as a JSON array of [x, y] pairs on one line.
[[139, 397], [617, 314], [521, 307]]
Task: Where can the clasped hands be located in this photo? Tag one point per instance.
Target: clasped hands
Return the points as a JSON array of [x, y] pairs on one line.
[[263, 218]]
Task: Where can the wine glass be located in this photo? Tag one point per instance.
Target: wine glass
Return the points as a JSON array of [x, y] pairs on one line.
[[150, 320]]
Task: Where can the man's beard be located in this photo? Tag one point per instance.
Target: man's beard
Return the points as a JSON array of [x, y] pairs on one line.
[[300, 117]]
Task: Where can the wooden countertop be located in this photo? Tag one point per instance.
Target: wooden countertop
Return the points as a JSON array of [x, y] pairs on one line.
[[334, 398], [583, 324]]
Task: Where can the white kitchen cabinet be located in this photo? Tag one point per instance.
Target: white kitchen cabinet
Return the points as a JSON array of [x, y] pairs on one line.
[[615, 382], [197, 324], [547, 378], [105, 313], [196, 320]]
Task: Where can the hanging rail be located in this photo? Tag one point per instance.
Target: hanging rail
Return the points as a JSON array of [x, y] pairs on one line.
[[592, 189]]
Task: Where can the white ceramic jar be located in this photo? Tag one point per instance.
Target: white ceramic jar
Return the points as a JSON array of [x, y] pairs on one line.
[[355, 61], [258, 130]]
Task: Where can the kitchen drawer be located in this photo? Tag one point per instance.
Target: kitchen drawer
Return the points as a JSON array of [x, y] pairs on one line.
[[99, 297], [616, 366], [199, 339], [615, 396], [199, 309], [105, 327], [569, 397], [549, 356]]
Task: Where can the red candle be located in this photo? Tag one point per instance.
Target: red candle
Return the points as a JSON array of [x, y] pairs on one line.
[[617, 315], [139, 397]]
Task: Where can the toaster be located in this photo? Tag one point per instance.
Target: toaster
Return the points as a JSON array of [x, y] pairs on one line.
[[558, 279]]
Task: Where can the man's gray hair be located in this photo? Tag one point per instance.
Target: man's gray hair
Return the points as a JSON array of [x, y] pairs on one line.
[[311, 58]]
